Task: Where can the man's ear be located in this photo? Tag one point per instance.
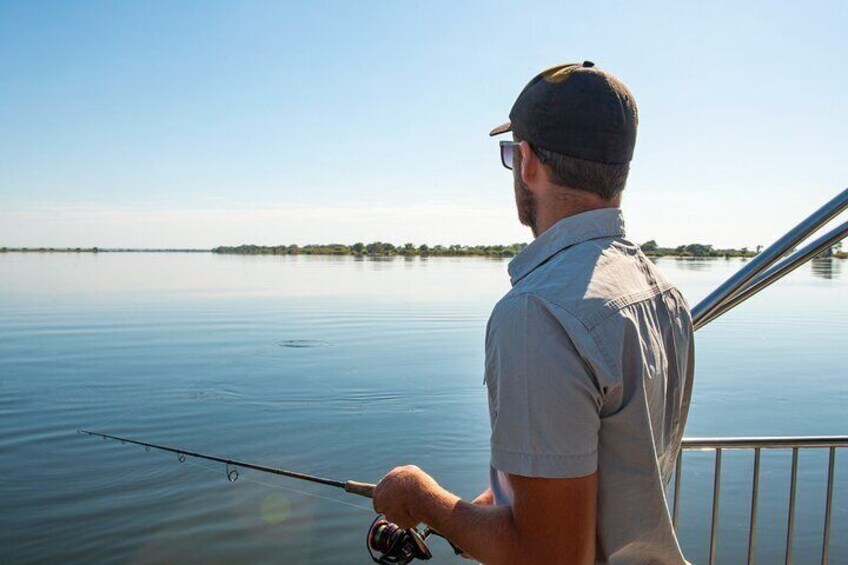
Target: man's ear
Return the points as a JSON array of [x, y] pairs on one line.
[[529, 163]]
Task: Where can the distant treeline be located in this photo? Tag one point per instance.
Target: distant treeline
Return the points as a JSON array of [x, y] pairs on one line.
[[651, 249], [379, 249], [382, 249]]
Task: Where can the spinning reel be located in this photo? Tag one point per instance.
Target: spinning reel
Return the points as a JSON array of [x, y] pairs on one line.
[[388, 543]]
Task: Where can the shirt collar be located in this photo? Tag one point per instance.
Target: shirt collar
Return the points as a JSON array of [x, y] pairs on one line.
[[571, 230]]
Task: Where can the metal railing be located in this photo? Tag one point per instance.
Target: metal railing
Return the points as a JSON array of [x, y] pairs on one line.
[[757, 444], [762, 270]]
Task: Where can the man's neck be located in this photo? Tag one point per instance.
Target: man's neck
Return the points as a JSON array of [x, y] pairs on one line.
[[554, 205]]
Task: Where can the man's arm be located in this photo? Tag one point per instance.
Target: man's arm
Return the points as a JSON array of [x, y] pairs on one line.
[[550, 520], [545, 414]]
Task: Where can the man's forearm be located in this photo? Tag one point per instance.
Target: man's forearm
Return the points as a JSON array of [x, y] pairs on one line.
[[487, 533], [549, 521]]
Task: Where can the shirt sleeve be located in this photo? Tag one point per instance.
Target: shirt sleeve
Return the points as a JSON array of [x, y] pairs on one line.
[[544, 401]]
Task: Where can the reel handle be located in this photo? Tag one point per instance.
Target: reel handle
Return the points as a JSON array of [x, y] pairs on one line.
[[365, 490]]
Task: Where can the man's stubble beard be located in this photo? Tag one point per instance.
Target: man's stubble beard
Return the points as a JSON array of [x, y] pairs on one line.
[[526, 204]]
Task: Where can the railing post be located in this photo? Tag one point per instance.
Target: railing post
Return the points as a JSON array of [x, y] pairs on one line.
[[829, 504], [716, 493], [790, 527], [755, 490]]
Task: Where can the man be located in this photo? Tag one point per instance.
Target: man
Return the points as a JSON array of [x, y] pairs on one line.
[[589, 358]]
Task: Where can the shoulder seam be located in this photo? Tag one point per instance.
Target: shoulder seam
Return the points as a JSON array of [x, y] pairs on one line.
[[598, 346], [612, 306]]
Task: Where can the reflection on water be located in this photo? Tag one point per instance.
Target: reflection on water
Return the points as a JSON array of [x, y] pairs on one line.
[[300, 343], [343, 367], [697, 263], [826, 267]]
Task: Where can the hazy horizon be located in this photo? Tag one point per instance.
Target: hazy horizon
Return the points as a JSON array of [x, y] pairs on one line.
[[196, 229]]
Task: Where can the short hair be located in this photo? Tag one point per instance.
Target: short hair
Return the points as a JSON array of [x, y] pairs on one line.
[[604, 179]]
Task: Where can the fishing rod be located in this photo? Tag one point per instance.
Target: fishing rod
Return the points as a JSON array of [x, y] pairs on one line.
[[387, 543], [365, 490]]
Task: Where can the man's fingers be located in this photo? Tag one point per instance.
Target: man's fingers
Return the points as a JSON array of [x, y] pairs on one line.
[[401, 519], [377, 497]]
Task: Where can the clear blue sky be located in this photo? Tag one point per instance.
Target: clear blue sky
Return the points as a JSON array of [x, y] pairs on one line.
[[203, 123]]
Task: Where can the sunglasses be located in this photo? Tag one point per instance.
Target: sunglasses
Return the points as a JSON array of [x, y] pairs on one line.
[[508, 149]]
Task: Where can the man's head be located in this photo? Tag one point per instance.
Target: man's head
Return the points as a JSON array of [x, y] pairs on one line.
[[574, 130]]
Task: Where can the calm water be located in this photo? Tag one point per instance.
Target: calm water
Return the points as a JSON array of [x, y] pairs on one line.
[[196, 350]]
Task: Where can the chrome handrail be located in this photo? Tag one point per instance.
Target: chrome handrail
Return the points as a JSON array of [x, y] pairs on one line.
[[778, 271], [707, 309], [795, 443], [777, 442]]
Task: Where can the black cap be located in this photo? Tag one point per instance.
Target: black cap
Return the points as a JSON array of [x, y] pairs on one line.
[[576, 110]]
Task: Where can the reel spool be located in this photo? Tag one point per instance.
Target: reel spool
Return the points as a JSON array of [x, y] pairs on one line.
[[388, 544]]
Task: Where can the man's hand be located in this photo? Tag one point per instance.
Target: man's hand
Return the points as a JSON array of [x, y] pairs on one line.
[[485, 498], [399, 493]]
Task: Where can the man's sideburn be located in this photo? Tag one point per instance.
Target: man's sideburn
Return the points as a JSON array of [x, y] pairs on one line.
[[525, 202]]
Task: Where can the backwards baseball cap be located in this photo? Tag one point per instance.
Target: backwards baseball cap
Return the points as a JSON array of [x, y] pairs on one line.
[[576, 110]]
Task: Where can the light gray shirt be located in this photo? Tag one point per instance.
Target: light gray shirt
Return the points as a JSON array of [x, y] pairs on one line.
[[589, 366]]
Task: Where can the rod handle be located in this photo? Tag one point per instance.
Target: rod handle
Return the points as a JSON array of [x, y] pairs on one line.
[[360, 489]]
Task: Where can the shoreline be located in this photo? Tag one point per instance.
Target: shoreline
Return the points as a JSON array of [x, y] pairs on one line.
[[491, 252]]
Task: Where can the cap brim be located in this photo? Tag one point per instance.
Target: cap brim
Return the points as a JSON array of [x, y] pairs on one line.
[[503, 128]]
